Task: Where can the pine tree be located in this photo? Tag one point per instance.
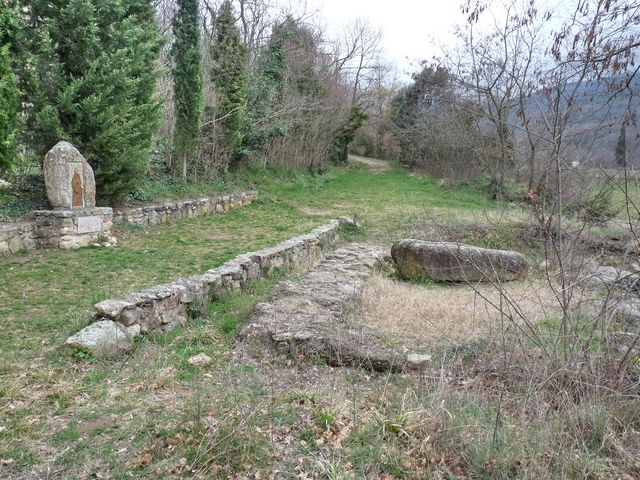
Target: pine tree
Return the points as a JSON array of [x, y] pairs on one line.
[[9, 95], [90, 74], [230, 77], [187, 78]]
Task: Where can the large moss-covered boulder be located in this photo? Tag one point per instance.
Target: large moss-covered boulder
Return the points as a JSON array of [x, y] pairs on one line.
[[455, 262]]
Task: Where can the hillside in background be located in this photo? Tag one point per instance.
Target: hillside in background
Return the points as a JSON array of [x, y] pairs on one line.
[[594, 127]]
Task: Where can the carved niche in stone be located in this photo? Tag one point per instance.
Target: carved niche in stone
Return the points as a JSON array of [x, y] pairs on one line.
[[68, 178]]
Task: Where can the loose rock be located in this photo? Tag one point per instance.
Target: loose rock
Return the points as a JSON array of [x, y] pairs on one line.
[[200, 359], [629, 312], [454, 262], [103, 339], [612, 277]]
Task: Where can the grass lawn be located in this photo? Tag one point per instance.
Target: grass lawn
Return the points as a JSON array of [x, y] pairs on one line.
[[145, 416]]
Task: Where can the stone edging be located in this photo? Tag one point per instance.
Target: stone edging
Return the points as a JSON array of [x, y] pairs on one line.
[[116, 322]]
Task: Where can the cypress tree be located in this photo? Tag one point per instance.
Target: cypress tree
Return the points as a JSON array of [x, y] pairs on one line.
[[187, 78], [230, 77], [621, 146], [90, 76], [9, 96]]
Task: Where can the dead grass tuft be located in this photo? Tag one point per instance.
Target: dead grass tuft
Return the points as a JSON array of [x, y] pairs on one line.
[[456, 313]]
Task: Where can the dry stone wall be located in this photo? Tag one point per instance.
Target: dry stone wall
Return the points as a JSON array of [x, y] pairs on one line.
[[176, 211], [66, 229], [71, 229], [15, 237], [78, 228], [167, 306]]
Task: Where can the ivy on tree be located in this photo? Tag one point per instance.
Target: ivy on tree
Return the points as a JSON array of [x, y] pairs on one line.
[[346, 133], [89, 73], [187, 78]]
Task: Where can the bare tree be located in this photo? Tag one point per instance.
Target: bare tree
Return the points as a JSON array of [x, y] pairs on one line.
[[358, 56]]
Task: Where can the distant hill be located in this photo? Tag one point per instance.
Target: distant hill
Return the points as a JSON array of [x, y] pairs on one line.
[[594, 127]]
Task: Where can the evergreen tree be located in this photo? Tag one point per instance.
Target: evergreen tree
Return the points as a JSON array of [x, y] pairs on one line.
[[187, 78], [90, 75], [9, 97], [621, 146], [230, 77]]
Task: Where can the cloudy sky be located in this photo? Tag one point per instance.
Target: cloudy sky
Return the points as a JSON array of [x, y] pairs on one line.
[[412, 30]]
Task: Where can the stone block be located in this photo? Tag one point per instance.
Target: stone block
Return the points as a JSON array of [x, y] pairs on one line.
[[103, 339], [16, 244]]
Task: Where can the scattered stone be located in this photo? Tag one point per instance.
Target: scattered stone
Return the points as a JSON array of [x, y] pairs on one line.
[[103, 339], [68, 178], [612, 277], [418, 361], [200, 360], [454, 262], [629, 312], [109, 242], [625, 342], [348, 221]]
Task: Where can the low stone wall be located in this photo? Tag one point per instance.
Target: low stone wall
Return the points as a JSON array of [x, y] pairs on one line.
[[70, 229], [309, 316], [175, 211], [64, 229], [15, 237], [167, 306], [78, 228]]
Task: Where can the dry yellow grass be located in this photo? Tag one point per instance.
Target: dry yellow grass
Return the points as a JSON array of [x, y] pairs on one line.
[[415, 314]]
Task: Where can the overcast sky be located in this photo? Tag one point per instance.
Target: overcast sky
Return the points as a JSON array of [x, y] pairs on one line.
[[412, 30]]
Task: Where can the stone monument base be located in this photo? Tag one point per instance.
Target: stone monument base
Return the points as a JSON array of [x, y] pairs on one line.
[[71, 229]]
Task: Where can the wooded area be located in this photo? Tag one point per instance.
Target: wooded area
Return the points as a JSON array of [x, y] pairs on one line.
[[209, 85]]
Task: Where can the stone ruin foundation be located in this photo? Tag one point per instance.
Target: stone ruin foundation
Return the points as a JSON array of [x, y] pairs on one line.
[[116, 322]]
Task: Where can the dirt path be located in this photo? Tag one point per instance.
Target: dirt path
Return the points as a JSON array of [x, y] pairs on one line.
[[375, 165]]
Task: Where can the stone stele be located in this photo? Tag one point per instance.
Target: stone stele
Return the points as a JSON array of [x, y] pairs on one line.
[[68, 178]]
